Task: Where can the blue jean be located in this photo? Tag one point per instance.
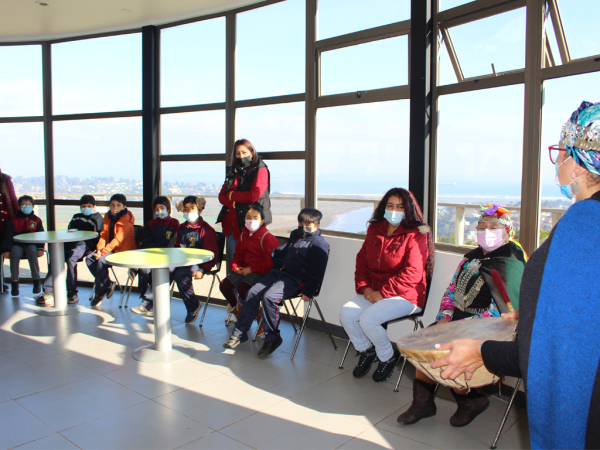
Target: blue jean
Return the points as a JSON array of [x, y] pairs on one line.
[[72, 256], [269, 290], [362, 321], [99, 270]]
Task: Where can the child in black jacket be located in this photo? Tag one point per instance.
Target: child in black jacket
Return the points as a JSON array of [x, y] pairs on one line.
[[160, 232], [85, 220], [298, 268]]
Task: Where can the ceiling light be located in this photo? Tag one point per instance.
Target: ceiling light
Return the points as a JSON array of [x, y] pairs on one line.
[[42, 3]]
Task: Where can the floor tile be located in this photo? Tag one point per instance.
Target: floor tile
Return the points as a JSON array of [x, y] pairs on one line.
[[107, 356], [279, 375], [517, 436], [213, 441], [76, 403], [479, 434], [4, 398], [144, 426], [321, 350], [52, 442], [361, 399], [17, 426], [39, 375], [293, 425], [374, 438], [220, 401], [16, 349], [152, 380]]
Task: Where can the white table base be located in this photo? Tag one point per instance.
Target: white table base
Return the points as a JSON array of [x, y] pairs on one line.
[[163, 350], [59, 281]]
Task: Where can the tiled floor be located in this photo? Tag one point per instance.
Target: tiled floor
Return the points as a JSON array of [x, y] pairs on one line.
[[70, 382]]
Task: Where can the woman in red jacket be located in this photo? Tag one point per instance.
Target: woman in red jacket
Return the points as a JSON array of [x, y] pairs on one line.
[[252, 259], [392, 270], [8, 207], [247, 182]]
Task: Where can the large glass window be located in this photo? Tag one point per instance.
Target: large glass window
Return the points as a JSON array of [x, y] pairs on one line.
[[287, 192], [492, 45], [97, 75], [580, 21], [337, 17], [479, 158], [447, 4], [362, 151], [192, 63], [271, 50], [374, 65], [101, 156], [192, 133], [21, 81], [272, 128]]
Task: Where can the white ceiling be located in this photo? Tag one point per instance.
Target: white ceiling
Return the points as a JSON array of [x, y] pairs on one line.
[[26, 20]]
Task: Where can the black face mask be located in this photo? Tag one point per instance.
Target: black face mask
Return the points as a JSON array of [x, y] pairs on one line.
[[243, 162]]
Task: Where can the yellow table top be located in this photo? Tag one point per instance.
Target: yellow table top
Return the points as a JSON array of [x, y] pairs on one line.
[[52, 237], [160, 258]]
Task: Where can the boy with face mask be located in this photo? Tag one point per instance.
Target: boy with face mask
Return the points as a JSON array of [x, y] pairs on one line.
[[298, 268], [87, 219], [25, 221], [160, 232], [193, 233]]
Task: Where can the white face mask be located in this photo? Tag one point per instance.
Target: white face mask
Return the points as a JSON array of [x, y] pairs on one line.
[[191, 217], [253, 225], [490, 239], [393, 217]]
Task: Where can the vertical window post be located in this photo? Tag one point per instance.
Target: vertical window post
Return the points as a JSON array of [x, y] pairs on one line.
[[48, 137]]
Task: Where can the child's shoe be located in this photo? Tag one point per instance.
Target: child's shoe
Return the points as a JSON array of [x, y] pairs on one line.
[[45, 299], [97, 300], [37, 287], [144, 308], [111, 289], [72, 297], [14, 291], [192, 315]]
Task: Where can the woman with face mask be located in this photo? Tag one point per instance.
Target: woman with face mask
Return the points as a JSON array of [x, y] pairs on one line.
[[247, 182], [557, 348], [485, 284], [393, 268]]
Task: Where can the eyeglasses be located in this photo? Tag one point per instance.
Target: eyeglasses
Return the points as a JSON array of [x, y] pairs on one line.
[[554, 151]]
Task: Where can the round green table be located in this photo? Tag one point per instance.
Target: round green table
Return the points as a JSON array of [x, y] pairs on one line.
[[56, 244], [160, 260]]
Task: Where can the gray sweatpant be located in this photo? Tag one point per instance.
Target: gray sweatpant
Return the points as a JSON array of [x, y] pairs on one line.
[[16, 253]]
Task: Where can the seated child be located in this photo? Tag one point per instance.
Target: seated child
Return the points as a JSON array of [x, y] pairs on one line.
[[193, 233], [251, 261], [25, 221], [116, 236], [160, 232], [86, 220], [298, 267]]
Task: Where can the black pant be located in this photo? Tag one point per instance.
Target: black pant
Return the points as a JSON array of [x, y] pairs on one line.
[[72, 256]]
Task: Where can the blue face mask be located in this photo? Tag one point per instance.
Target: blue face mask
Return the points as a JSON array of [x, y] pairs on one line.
[[87, 211], [162, 214], [191, 217], [26, 209], [566, 189], [393, 217]]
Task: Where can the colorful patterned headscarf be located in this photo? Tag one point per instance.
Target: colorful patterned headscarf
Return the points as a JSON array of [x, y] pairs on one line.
[[497, 213], [581, 136]]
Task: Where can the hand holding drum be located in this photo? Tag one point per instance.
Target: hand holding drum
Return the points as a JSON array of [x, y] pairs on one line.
[[464, 337]]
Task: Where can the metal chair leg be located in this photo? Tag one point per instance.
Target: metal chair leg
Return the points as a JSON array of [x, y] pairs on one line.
[[302, 328], [291, 317], [2, 273], [314, 300], [93, 290], [124, 291], [256, 331], [295, 308], [508, 408], [208, 298], [400, 376], [116, 279], [345, 354]]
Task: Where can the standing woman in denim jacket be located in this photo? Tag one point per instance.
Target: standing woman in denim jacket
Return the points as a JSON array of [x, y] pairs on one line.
[[393, 268]]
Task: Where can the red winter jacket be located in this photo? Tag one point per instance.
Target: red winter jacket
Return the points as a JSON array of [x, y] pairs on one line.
[[255, 250], [393, 265]]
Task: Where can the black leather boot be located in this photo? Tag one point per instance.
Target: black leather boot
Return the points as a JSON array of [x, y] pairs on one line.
[[423, 404], [469, 407]]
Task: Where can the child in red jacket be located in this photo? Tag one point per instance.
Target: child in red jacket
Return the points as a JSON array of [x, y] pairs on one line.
[[252, 258]]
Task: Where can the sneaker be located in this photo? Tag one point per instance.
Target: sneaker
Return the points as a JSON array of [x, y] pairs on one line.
[[72, 297], [5, 288], [14, 291], [269, 347], [192, 315], [111, 289], [234, 341], [144, 309], [37, 287], [366, 360], [45, 299], [386, 368], [97, 300]]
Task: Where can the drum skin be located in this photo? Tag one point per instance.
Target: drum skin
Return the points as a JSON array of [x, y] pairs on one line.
[[419, 347]]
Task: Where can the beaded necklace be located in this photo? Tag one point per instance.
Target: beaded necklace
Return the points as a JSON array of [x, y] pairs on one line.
[[462, 300]]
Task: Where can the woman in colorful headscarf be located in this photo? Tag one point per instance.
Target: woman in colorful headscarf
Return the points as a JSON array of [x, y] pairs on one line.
[[486, 284], [556, 354], [8, 207]]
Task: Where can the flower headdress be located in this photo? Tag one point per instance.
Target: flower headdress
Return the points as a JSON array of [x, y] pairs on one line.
[[497, 213], [581, 136]]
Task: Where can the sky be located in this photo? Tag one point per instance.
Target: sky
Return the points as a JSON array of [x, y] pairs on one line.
[[362, 149]]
